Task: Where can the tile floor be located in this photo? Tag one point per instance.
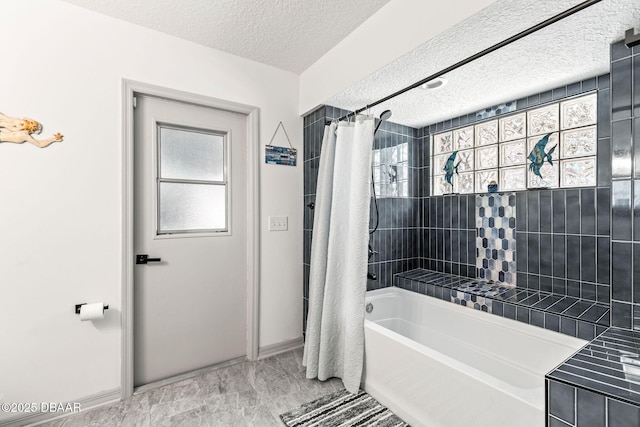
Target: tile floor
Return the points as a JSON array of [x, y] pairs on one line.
[[245, 394]]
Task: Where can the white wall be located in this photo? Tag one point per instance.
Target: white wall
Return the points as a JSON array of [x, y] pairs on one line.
[[397, 28], [60, 207]]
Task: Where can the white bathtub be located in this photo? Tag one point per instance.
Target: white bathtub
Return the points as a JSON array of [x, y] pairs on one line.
[[435, 363]]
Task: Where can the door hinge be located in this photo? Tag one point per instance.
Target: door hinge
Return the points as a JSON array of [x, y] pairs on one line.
[[135, 102]]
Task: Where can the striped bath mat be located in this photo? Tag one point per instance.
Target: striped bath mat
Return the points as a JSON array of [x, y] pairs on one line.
[[343, 409]]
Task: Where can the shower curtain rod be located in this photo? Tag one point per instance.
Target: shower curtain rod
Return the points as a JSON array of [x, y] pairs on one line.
[[575, 9]]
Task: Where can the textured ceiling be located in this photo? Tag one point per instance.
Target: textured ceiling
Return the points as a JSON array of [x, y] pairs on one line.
[[293, 34], [575, 48], [288, 34]]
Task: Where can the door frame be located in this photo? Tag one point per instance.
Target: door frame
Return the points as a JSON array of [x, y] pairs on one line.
[[129, 89]]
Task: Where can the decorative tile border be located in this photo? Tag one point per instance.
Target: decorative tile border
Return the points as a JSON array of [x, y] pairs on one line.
[[471, 301], [484, 289], [487, 113]]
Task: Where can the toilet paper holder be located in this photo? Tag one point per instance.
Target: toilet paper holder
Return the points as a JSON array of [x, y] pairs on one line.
[[106, 307]]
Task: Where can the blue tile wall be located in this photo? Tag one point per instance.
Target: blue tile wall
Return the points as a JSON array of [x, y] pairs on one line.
[[397, 240], [312, 137], [600, 366], [439, 232], [556, 245], [556, 250], [625, 190], [593, 256], [449, 227], [574, 406]]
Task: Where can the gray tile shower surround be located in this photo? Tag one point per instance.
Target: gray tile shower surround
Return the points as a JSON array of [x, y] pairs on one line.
[[245, 394], [605, 239], [600, 384]]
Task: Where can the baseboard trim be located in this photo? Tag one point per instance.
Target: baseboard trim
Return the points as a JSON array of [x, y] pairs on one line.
[[273, 349], [114, 395], [86, 403]]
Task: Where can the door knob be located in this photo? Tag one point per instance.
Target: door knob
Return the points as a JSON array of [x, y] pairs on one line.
[[144, 259]]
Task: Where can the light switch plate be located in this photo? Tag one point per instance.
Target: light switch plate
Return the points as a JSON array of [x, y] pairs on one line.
[[278, 223]]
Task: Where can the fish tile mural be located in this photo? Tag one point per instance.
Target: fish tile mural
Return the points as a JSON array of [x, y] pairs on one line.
[[540, 153], [528, 150]]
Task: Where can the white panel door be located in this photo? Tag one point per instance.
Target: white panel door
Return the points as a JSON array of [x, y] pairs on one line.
[[190, 220]]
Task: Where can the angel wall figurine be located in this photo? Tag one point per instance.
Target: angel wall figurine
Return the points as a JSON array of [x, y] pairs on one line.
[[19, 130]]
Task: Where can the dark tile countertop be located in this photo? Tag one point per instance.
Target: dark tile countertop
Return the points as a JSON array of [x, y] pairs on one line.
[[573, 316], [609, 365]]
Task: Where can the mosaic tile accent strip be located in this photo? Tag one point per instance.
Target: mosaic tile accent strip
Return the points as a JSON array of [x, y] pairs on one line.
[[496, 110], [471, 301], [495, 244], [483, 288]]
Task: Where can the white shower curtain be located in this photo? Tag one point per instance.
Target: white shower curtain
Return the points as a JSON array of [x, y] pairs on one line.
[[334, 344]]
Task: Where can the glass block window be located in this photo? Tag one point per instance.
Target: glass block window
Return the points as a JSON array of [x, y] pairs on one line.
[[499, 149], [391, 168]]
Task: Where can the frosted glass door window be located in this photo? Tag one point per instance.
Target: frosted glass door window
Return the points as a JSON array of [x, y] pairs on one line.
[[192, 181], [191, 155], [192, 206]]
